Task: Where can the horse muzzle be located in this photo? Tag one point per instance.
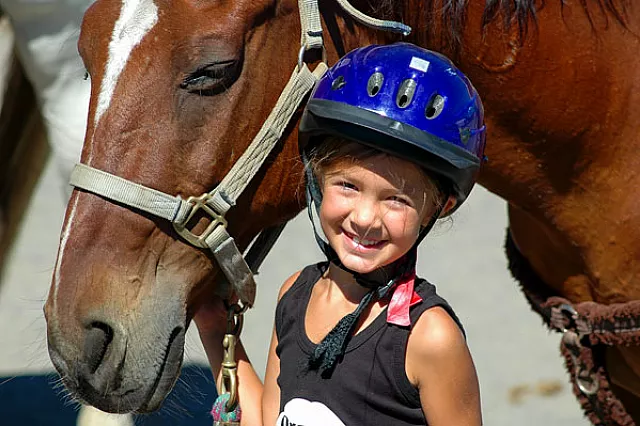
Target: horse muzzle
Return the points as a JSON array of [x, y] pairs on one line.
[[119, 369]]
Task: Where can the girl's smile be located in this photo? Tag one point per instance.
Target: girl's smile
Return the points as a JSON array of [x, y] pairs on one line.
[[372, 210], [362, 245]]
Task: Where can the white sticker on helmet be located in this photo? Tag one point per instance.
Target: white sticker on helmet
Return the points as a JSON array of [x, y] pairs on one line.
[[419, 64]]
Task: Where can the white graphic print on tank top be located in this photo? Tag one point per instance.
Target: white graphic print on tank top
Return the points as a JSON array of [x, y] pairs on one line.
[[301, 412]]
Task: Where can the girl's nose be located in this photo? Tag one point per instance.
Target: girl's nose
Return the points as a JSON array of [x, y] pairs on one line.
[[365, 215]]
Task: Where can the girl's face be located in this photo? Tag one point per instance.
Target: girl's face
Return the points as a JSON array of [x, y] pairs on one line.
[[372, 209]]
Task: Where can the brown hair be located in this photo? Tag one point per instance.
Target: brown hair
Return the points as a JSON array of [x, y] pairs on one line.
[[334, 150]]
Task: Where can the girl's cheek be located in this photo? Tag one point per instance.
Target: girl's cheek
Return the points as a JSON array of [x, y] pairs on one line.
[[405, 223], [343, 200]]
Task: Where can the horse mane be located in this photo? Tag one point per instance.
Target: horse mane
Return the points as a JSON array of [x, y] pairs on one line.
[[452, 14]]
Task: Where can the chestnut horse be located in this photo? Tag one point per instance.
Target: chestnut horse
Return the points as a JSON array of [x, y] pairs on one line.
[[180, 88]]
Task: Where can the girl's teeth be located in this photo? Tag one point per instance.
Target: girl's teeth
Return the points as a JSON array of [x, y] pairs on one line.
[[363, 241]]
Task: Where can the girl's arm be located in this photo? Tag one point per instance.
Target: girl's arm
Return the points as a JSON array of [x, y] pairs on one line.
[[271, 396], [438, 362]]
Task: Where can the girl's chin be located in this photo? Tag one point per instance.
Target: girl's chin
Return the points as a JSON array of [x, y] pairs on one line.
[[359, 265]]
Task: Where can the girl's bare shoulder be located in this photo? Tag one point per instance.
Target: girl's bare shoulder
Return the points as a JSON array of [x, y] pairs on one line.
[[436, 334], [435, 343]]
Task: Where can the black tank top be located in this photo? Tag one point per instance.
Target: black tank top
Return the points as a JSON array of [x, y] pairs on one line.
[[369, 386]]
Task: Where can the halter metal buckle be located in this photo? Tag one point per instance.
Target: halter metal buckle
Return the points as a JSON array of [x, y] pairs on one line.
[[217, 219], [303, 50]]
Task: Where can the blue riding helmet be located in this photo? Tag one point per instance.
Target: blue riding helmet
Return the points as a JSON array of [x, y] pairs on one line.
[[406, 101]]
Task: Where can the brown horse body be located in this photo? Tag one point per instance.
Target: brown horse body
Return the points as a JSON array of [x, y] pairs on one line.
[[174, 114]]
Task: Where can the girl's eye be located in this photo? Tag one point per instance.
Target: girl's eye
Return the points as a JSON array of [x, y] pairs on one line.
[[400, 200], [347, 185]]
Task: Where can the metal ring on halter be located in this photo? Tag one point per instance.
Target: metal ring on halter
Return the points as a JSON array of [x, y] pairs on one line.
[[303, 50], [200, 203]]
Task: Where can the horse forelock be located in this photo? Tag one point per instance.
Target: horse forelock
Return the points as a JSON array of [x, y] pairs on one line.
[[137, 18]]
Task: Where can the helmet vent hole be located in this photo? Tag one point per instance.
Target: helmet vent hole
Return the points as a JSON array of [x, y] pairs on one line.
[[434, 107], [375, 84], [405, 93], [338, 83]]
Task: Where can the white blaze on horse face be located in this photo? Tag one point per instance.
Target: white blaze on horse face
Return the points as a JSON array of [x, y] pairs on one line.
[[63, 242], [137, 18]]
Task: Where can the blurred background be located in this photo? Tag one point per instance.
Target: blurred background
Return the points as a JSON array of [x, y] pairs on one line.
[[44, 99]]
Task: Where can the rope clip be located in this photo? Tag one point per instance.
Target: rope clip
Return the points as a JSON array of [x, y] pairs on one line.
[[229, 371]]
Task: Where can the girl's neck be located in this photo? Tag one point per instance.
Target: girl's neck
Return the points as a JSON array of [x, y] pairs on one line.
[[345, 282], [342, 281]]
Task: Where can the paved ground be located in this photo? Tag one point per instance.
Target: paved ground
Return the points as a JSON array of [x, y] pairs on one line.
[[521, 374]]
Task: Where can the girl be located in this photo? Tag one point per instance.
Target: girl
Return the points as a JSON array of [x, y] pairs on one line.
[[392, 139]]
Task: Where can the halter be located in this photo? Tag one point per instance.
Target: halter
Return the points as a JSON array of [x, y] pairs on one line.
[[217, 202]]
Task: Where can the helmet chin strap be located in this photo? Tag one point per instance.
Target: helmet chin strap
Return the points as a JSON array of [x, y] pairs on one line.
[[332, 348]]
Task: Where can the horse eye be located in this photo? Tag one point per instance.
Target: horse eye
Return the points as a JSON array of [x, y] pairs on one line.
[[212, 79]]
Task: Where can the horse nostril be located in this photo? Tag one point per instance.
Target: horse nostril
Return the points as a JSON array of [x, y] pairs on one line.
[[99, 336]]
